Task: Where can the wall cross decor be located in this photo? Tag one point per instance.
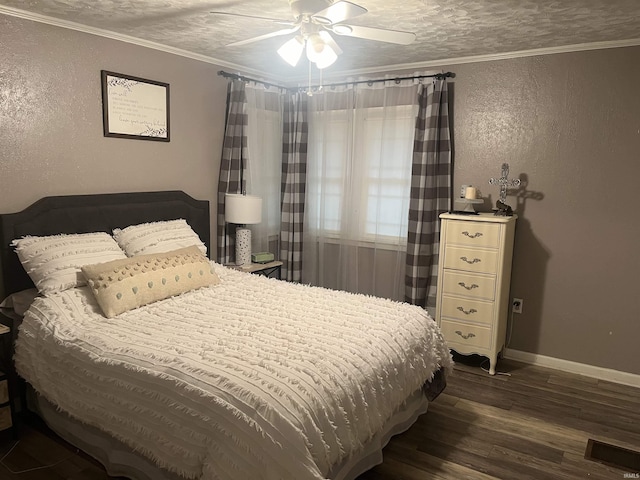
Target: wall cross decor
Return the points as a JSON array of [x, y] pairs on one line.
[[504, 182]]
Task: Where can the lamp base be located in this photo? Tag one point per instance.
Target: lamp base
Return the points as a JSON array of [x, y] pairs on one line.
[[243, 246]]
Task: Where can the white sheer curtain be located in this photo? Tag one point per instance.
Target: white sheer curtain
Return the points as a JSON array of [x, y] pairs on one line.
[[263, 171], [358, 185]]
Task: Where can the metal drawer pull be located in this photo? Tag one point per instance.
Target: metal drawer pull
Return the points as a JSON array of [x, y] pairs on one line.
[[471, 262], [468, 312], [467, 336], [471, 287], [472, 235]]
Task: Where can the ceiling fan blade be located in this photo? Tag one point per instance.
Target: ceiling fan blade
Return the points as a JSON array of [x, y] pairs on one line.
[[338, 12], [377, 34], [277, 33]]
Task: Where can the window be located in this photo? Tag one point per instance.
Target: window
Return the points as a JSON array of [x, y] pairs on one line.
[[359, 175]]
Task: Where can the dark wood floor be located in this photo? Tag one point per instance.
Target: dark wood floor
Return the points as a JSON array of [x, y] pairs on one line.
[[533, 424]]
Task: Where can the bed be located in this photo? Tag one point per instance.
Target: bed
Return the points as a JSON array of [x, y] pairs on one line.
[[240, 377]]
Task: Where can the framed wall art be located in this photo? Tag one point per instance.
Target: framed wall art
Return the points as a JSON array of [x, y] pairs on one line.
[[135, 107]]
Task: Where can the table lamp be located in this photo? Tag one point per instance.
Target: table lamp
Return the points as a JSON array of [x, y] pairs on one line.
[[243, 210]]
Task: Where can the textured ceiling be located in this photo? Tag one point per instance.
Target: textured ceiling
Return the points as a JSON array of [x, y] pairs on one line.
[[445, 29]]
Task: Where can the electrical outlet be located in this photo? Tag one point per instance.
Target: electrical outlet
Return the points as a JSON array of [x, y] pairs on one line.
[[516, 305]]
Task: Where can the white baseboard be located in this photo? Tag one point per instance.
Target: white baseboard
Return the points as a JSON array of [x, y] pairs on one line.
[[616, 376]]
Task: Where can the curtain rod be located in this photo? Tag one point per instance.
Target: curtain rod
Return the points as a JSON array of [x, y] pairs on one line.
[[235, 76]]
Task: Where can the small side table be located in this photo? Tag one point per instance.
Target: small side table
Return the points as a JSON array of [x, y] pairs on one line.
[[7, 420], [269, 269]]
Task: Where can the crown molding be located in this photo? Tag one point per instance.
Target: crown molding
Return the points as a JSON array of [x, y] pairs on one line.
[[488, 58], [15, 12]]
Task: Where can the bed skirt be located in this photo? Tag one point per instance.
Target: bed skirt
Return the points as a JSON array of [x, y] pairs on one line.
[[120, 460]]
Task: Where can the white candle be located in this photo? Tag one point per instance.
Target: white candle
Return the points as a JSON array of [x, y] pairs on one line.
[[470, 193]]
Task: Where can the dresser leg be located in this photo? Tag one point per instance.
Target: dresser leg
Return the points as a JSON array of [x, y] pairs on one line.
[[493, 360]]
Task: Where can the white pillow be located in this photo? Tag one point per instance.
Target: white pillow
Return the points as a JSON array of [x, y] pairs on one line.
[[54, 263], [157, 237]]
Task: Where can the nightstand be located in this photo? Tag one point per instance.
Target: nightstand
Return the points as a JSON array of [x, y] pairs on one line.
[[6, 403], [269, 269]]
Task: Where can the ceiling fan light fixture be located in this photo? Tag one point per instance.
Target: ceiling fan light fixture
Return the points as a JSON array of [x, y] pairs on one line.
[[315, 46], [316, 22], [319, 51], [291, 51], [326, 59]]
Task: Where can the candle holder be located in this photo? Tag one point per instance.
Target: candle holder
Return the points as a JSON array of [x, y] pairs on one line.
[[468, 205]]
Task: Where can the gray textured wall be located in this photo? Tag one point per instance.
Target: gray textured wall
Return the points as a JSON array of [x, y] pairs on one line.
[[568, 124], [51, 140]]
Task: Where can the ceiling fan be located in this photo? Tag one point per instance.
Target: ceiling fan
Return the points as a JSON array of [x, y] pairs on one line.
[[314, 22]]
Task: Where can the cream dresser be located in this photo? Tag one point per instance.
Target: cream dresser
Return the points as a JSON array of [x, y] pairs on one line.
[[473, 282]]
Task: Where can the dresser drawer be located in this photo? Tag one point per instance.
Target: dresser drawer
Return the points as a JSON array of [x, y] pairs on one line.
[[468, 285], [464, 334], [473, 233], [467, 310], [4, 391], [471, 260]]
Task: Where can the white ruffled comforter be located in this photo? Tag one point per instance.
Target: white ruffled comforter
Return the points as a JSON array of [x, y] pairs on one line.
[[253, 378]]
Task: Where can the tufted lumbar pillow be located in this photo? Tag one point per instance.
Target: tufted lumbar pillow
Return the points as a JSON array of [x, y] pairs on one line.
[[123, 285]]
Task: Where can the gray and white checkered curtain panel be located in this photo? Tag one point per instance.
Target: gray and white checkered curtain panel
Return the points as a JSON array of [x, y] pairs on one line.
[[294, 178], [234, 160], [430, 193]]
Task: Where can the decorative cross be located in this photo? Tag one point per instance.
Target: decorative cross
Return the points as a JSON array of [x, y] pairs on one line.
[[504, 182]]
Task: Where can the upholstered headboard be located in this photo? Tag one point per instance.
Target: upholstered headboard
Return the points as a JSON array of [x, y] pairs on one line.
[[93, 213]]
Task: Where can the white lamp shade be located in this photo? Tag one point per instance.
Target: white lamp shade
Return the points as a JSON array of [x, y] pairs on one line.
[[242, 209], [292, 50], [327, 58], [319, 51]]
